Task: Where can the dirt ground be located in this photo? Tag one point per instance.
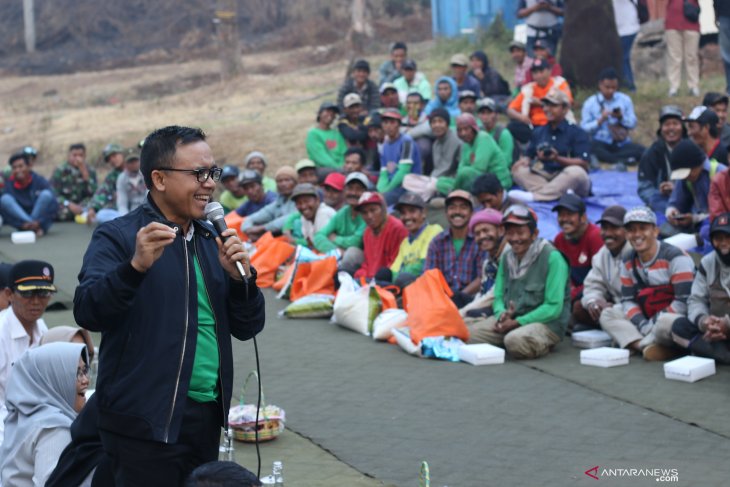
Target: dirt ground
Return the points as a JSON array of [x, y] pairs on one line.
[[269, 108]]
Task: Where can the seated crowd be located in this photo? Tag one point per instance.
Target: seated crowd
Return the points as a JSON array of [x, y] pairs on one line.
[[405, 176]]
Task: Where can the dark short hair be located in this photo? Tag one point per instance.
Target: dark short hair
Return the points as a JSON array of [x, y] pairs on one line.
[[158, 150], [222, 474], [18, 155], [414, 94], [608, 73], [486, 183], [77, 146], [398, 45], [358, 151]]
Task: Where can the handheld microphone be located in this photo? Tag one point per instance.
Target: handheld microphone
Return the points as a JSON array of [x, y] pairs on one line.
[[215, 214]]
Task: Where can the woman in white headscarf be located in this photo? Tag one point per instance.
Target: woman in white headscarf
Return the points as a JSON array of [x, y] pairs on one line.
[[45, 392]]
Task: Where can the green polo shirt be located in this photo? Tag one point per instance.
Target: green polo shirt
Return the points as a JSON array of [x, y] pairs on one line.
[[204, 380]]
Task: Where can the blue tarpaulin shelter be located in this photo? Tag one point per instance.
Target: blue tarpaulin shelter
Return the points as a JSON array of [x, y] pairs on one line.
[[452, 18]]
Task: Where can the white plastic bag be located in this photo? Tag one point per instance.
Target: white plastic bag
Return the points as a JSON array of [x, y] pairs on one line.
[[351, 305], [386, 321]]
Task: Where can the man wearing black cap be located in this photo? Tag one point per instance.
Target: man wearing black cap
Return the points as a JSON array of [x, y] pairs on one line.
[[718, 103], [28, 202], [325, 144], [233, 196], [526, 108], [257, 197], [542, 51], [376, 136], [412, 81], [359, 83], [392, 68], [468, 102], [655, 185], [21, 325], [408, 264], [705, 331], [688, 208], [579, 241], [702, 128], [446, 149], [602, 285], [531, 295]]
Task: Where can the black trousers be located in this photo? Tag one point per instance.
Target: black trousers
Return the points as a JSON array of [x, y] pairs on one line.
[[144, 463], [629, 153]]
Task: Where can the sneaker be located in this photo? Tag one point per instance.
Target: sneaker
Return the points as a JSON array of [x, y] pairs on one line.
[[672, 93], [694, 92], [660, 353], [519, 196]]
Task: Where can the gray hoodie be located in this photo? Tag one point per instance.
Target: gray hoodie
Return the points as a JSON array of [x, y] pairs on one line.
[[445, 152]]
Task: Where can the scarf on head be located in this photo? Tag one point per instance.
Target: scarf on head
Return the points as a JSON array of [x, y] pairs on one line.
[[518, 269], [41, 393]]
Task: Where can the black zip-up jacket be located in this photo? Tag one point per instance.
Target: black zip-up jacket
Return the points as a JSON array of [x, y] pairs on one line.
[[149, 323]]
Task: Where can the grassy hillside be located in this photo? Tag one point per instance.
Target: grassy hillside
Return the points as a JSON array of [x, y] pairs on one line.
[[268, 109]]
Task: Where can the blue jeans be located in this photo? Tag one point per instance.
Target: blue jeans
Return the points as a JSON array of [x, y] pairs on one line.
[[724, 36], [105, 215], [44, 210], [626, 43]]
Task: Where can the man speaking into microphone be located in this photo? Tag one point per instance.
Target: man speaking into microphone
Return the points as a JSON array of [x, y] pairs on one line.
[[166, 294]]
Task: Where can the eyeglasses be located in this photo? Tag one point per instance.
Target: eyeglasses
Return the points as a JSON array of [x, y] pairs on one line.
[[82, 372], [35, 293], [201, 174]]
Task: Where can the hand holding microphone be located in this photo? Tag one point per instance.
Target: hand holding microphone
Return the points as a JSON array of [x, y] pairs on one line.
[[233, 257]]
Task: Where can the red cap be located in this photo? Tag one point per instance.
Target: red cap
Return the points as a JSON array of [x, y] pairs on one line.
[[335, 180], [369, 197]]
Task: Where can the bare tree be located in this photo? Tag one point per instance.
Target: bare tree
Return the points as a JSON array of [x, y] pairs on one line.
[[229, 49], [361, 32], [29, 25]]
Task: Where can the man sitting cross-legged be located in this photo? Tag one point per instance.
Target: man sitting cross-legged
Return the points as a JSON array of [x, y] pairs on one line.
[[656, 280], [531, 295]]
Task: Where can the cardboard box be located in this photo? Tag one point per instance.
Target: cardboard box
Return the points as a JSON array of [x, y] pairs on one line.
[[604, 357], [591, 339], [481, 354], [689, 369]]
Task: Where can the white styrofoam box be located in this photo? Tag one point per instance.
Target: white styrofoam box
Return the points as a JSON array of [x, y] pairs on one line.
[[22, 237], [604, 357], [591, 339], [689, 369], [481, 354]]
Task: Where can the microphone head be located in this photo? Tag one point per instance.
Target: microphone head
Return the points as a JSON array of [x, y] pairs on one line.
[[214, 211]]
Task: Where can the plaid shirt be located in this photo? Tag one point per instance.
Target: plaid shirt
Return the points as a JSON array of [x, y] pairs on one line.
[[459, 271]]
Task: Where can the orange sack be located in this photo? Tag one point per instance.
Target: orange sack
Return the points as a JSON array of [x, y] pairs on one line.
[[270, 254], [316, 277], [430, 310]]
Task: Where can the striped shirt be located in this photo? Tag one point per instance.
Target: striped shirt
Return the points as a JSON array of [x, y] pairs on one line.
[[670, 265], [459, 270]]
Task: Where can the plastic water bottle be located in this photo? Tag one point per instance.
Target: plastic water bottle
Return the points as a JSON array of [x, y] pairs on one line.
[[225, 450], [278, 474]]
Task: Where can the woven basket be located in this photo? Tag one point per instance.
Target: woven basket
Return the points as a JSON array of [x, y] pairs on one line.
[[266, 429]]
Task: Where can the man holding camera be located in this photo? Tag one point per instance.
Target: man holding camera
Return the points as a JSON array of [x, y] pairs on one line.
[[609, 117], [557, 157]]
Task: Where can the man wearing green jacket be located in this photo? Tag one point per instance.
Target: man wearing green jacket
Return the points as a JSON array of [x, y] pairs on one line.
[[480, 154], [325, 144], [345, 229], [531, 293]]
